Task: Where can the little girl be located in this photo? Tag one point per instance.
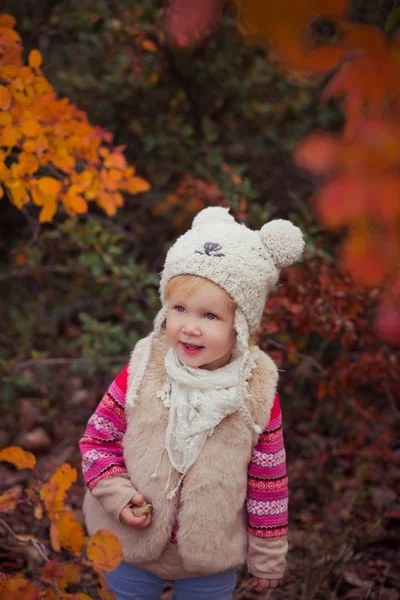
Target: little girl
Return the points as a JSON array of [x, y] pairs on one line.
[[192, 425]]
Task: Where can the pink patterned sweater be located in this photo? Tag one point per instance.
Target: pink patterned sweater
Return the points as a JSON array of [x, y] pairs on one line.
[[267, 491]]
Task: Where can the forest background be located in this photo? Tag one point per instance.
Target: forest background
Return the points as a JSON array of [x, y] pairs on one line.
[[213, 122]]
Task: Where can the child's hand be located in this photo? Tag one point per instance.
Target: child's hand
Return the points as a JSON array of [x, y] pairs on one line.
[[126, 517], [262, 585]]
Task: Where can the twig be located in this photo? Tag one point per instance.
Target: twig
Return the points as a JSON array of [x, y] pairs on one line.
[[302, 357], [114, 227], [392, 402], [26, 540], [32, 362]]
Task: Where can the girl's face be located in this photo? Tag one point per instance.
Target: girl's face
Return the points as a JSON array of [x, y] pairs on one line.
[[199, 327]]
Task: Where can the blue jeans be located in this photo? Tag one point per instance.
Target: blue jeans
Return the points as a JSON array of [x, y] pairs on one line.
[[130, 583]]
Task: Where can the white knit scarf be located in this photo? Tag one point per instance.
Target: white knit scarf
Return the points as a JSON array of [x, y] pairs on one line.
[[198, 400]]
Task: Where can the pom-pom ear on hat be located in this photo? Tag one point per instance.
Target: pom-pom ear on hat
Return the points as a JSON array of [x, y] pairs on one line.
[[284, 242], [212, 214]]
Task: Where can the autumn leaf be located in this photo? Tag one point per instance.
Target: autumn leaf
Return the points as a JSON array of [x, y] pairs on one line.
[[63, 573], [104, 550], [318, 152], [18, 588], [53, 492], [7, 21], [49, 186], [5, 98], [70, 533], [8, 500], [55, 538], [18, 457], [48, 211], [35, 59]]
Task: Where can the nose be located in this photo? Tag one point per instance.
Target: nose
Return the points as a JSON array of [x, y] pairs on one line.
[[191, 327]]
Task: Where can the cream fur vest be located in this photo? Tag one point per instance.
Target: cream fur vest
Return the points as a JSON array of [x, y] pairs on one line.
[[212, 534]]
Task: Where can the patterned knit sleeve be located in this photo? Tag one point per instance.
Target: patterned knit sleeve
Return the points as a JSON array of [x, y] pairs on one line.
[[101, 444], [267, 492]]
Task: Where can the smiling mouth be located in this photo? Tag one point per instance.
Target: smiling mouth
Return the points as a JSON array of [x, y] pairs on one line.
[[191, 348]]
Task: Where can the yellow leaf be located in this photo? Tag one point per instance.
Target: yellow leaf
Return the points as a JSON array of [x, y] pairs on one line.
[[8, 501], [48, 211], [53, 492], [35, 59], [18, 457], [38, 511], [65, 476], [5, 98], [49, 186], [70, 533], [7, 21], [104, 550]]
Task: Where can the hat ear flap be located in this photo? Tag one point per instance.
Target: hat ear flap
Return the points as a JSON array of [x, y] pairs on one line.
[[284, 242]]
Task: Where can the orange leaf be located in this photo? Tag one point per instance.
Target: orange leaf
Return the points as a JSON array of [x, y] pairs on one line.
[[31, 128], [8, 501], [48, 211], [18, 588], [104, 550], [28, 163], [7, 21], [35, 59], [18, 457], [318, 152], [363, 258], [71, 534], [5, 98], [49, 186], [55, 538], [138, 185], [9, 136], [75, 203]]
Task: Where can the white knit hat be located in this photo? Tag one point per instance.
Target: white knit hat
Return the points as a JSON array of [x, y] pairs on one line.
[[245, 263]]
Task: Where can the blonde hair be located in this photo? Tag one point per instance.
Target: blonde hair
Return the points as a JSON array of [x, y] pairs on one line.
[[189, 284]]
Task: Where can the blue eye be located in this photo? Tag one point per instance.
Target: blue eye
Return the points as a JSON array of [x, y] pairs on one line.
[[210, 316], [180, 309]]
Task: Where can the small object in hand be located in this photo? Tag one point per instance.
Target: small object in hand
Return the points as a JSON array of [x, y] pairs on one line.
[[140, 511]]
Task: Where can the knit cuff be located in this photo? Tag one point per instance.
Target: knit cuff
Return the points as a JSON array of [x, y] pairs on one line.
[[114, 493], [266, 558]]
